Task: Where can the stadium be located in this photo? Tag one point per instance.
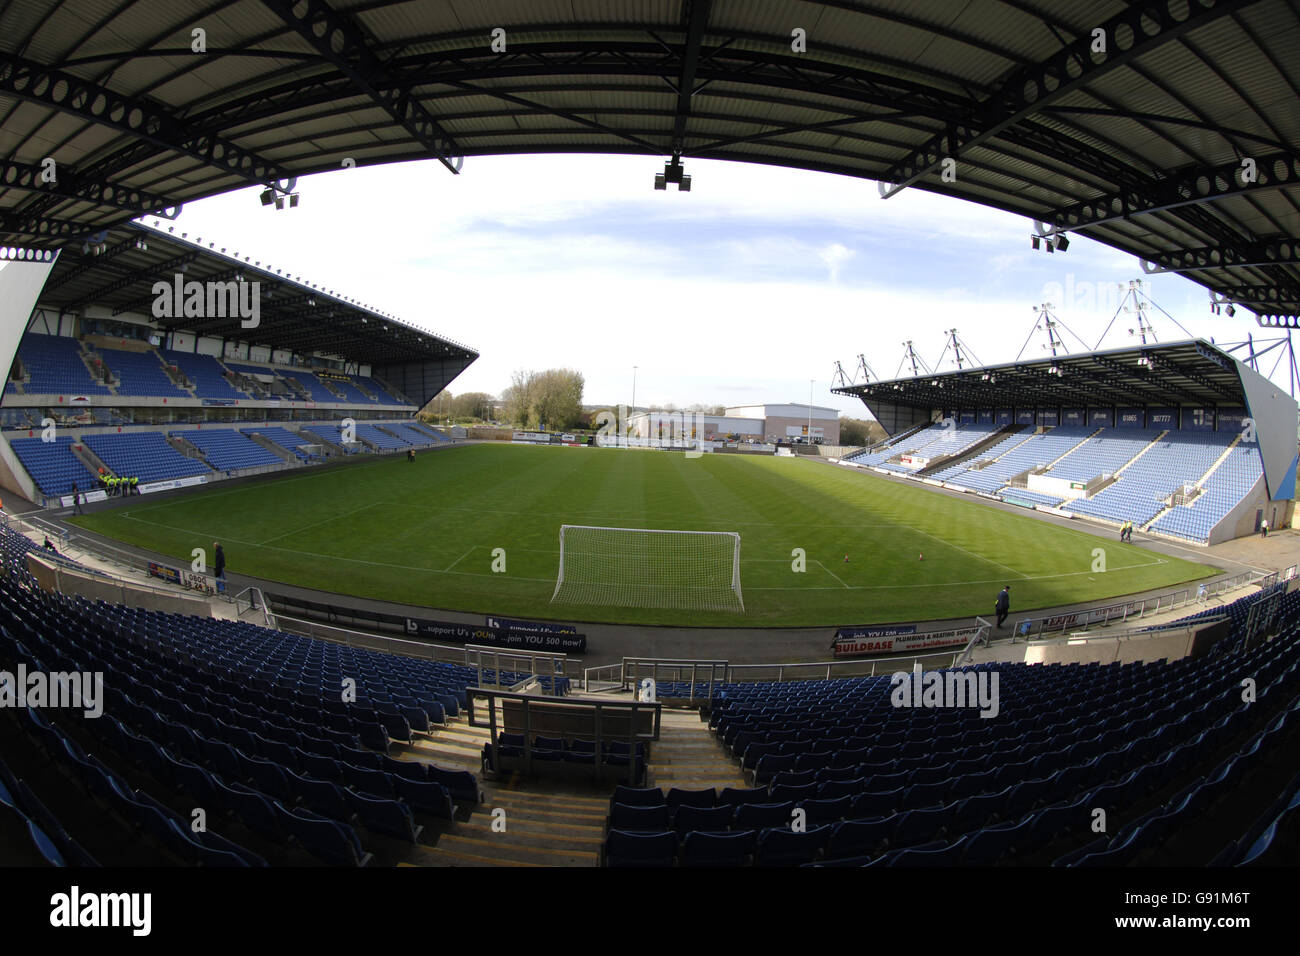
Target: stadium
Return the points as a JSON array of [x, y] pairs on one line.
[[685, 640]]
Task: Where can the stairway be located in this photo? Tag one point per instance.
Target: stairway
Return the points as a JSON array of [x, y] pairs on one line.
[[688, 756], [547, 822]]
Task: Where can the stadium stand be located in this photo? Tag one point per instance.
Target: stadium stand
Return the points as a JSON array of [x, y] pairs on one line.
[[205, 373], [53, 365], [139, 374], [53, 466], [228, 450], [1014, 455], [903, 786], [143, 455], [1103, 454], [1225, 488], [378, 391], [1140, 490], [414, 436], [380, 438], [311, 386], [284, 438]]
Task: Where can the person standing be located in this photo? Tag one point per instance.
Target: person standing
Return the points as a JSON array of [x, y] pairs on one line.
[[1003, 604], [76, 500], [219, 565], [1263, 528]]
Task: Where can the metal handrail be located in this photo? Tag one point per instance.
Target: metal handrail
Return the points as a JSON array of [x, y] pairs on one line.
[[597, 707]]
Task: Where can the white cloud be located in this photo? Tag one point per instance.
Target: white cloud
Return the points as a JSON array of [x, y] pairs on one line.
[[720, 294]]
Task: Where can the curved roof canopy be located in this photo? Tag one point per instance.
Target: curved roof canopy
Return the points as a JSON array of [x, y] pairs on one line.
[[1167, 129]]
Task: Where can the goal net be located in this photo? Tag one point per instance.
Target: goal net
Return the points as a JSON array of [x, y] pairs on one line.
[[642, 567]]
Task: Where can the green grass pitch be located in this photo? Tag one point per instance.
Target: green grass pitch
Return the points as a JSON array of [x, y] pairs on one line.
[[424, 534]]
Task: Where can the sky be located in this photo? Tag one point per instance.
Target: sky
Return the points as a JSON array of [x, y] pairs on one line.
[[746, 289]]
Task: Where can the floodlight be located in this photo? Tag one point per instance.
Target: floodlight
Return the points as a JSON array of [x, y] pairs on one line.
[[1034, 241], [1231, 311], [293, 200], [268, 196], [1062, 242], [660, 181]]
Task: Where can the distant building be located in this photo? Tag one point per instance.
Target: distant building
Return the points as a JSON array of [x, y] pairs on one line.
[[766, 423], [788, 422]]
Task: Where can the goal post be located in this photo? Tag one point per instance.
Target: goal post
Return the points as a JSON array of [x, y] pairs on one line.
[[649, 568]]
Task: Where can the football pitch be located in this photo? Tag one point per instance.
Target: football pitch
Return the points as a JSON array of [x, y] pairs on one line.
[[427, 534]]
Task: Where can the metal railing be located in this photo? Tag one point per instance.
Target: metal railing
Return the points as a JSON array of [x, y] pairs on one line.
[[539, 664], [598, 708], [256, 601], [1076, 621], [702, 673]]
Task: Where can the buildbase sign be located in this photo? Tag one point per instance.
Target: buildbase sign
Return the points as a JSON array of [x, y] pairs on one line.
[[173, 483], [852, 642]]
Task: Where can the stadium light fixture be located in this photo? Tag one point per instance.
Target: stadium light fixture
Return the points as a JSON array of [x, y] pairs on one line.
[[1231, 311], [1062, 242], [1034, 241], [268, 196]]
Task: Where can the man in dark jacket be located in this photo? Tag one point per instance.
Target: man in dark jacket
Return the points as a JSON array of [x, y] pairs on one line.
[[219, 565], [76, 500], [1003, 605]]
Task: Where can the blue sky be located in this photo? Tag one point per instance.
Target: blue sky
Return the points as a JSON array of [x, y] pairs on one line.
[[742, 290]]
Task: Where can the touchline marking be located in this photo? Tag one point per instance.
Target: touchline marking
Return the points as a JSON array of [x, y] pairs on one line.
[[315, 524]]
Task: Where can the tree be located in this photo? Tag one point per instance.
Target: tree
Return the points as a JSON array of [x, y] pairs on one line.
[[552, 398], [472, 405], [857, 431]]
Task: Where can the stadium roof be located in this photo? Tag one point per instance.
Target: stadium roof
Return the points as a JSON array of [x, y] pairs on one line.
[[295, 314], [1180, 143], [1193, 373]]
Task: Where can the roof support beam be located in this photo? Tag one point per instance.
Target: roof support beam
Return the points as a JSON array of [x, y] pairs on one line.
[[338, 40], [1265, 253], [139, 118], [1132, 33], [1191, 185], [68, 185], [696, 15]]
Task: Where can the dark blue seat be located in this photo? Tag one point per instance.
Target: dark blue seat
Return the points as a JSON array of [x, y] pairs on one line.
[[758, 816], [860, 837], [372, 782], [918, 826], [702, 818], [701, 848], [44, 845], [939, 856], [988, 846], [874, 804], [691, 798], [328, 840], [638, 796], [735, 796], [426, 797], [252, 808], [623, 848], [630, 817], [389, 817], [781, 846], [827, 811], [324, 797]]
